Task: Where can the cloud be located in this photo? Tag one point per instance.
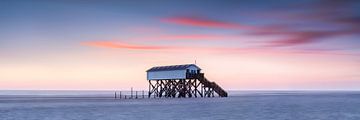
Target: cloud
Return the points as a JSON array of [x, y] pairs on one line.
[[302, 24], [319, 22], [198, 37], [333, 52], [109, 44], [300, 37], [212, 50], [191, 37], [329, 19], [294, 37], [188, 37], [203, 22]]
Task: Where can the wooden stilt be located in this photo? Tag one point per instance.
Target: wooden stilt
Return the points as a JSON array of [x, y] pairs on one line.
[[131, 93], [120, 95], [136, 97]]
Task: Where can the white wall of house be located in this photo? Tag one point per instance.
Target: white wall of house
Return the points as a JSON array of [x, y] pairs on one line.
[[172, 74]]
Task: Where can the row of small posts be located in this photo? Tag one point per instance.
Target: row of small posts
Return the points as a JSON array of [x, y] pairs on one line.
[[121, 95]]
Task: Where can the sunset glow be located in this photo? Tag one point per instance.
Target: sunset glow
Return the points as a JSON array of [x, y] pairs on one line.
[[244, 45]]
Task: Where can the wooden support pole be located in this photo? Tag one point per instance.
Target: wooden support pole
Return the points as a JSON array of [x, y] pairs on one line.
[[115, 94], [202, 91], [149, 89], [136, 95], [156, 89], [131, 93]]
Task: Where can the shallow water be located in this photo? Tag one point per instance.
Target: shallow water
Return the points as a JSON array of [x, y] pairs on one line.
[[259, 105]]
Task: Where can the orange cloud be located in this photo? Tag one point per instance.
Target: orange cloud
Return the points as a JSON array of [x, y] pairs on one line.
[[109, 44]]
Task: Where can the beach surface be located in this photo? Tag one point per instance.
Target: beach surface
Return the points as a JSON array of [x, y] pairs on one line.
[[240, 105]]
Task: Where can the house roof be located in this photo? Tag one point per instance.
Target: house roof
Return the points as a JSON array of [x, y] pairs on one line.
[[171, 67]]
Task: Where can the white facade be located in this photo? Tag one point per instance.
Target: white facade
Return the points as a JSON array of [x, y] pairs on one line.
[[160, 75], [172, 74]]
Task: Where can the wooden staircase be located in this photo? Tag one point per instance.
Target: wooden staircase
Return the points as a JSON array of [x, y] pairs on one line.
[[211, 85]]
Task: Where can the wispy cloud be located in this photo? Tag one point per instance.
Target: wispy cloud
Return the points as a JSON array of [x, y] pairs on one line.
[[192, 37], [293, 37], [312, 30], [203, 22], [339, 17], [109, 44], [209, 49], [333, 52], [298, 37]]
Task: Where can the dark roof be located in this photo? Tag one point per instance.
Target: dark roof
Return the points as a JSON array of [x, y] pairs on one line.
[[171, 67]]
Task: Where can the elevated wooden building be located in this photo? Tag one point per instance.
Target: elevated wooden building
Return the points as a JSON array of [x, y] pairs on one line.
[[181, 81]]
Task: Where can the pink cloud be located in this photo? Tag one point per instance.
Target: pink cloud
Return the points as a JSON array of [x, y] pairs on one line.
[[108, 44], [294, 37], [204, 22], [197, 37], [191, 37], [187, 37], [223, 50], [220, 50], [338, 15]]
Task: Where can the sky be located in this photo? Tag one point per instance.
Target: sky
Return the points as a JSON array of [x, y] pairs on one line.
[[239, 44]]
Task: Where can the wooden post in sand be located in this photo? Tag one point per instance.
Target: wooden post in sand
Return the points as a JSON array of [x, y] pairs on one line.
[[143, 94], [120, 95], [131, 93]]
